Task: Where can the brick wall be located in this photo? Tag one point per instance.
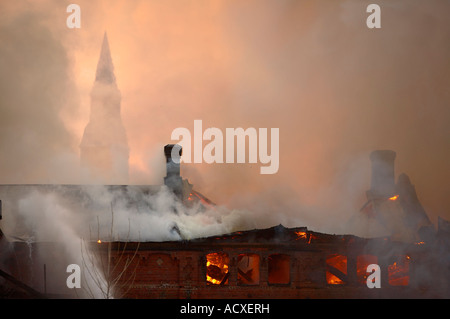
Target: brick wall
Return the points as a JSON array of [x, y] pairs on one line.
[[182, 274], [178, 270]]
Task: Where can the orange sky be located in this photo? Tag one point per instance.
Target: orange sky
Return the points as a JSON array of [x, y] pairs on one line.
[[335, 89]]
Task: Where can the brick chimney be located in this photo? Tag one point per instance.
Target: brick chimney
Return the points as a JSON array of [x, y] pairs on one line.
[[173, 178]]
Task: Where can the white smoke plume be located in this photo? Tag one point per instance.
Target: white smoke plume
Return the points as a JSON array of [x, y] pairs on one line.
[[335, 89]]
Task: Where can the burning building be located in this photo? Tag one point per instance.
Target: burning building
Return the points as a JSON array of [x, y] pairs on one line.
[[37, 239], [276, 262], [280, 262]]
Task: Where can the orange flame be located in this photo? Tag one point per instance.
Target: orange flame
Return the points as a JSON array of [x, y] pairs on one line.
[[339, 263], [301, 235], [393, 197], [217, 268], [305, 235]]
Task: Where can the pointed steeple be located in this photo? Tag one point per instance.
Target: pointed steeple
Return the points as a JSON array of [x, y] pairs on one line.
[[104, 148], [105, 67]]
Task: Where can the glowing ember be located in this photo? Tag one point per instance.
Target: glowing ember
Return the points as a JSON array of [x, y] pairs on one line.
[[217, 268], [362, 262], [393, 197], [301, 235], [399, 271], [195, 197]]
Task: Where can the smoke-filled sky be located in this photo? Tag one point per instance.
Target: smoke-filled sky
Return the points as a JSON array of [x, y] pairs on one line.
[[335, 89]]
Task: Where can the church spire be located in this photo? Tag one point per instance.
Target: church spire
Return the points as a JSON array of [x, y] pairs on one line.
[[105, 67], [104, 148]]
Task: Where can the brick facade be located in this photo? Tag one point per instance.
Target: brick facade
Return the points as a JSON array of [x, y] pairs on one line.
[[271, 263], [179, 269]]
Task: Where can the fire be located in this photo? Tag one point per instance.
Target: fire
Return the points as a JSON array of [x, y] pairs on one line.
[[398, 271], [362, 262], [336, 269], [301, 235], [99, 241], [395, 197], [217, 268]]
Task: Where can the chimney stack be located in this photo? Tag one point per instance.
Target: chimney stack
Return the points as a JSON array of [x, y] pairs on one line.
[[173, 179], [383, 179]]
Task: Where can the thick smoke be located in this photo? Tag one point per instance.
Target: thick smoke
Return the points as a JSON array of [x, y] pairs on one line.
[[36, 87], [64, 213], [336, 90]]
